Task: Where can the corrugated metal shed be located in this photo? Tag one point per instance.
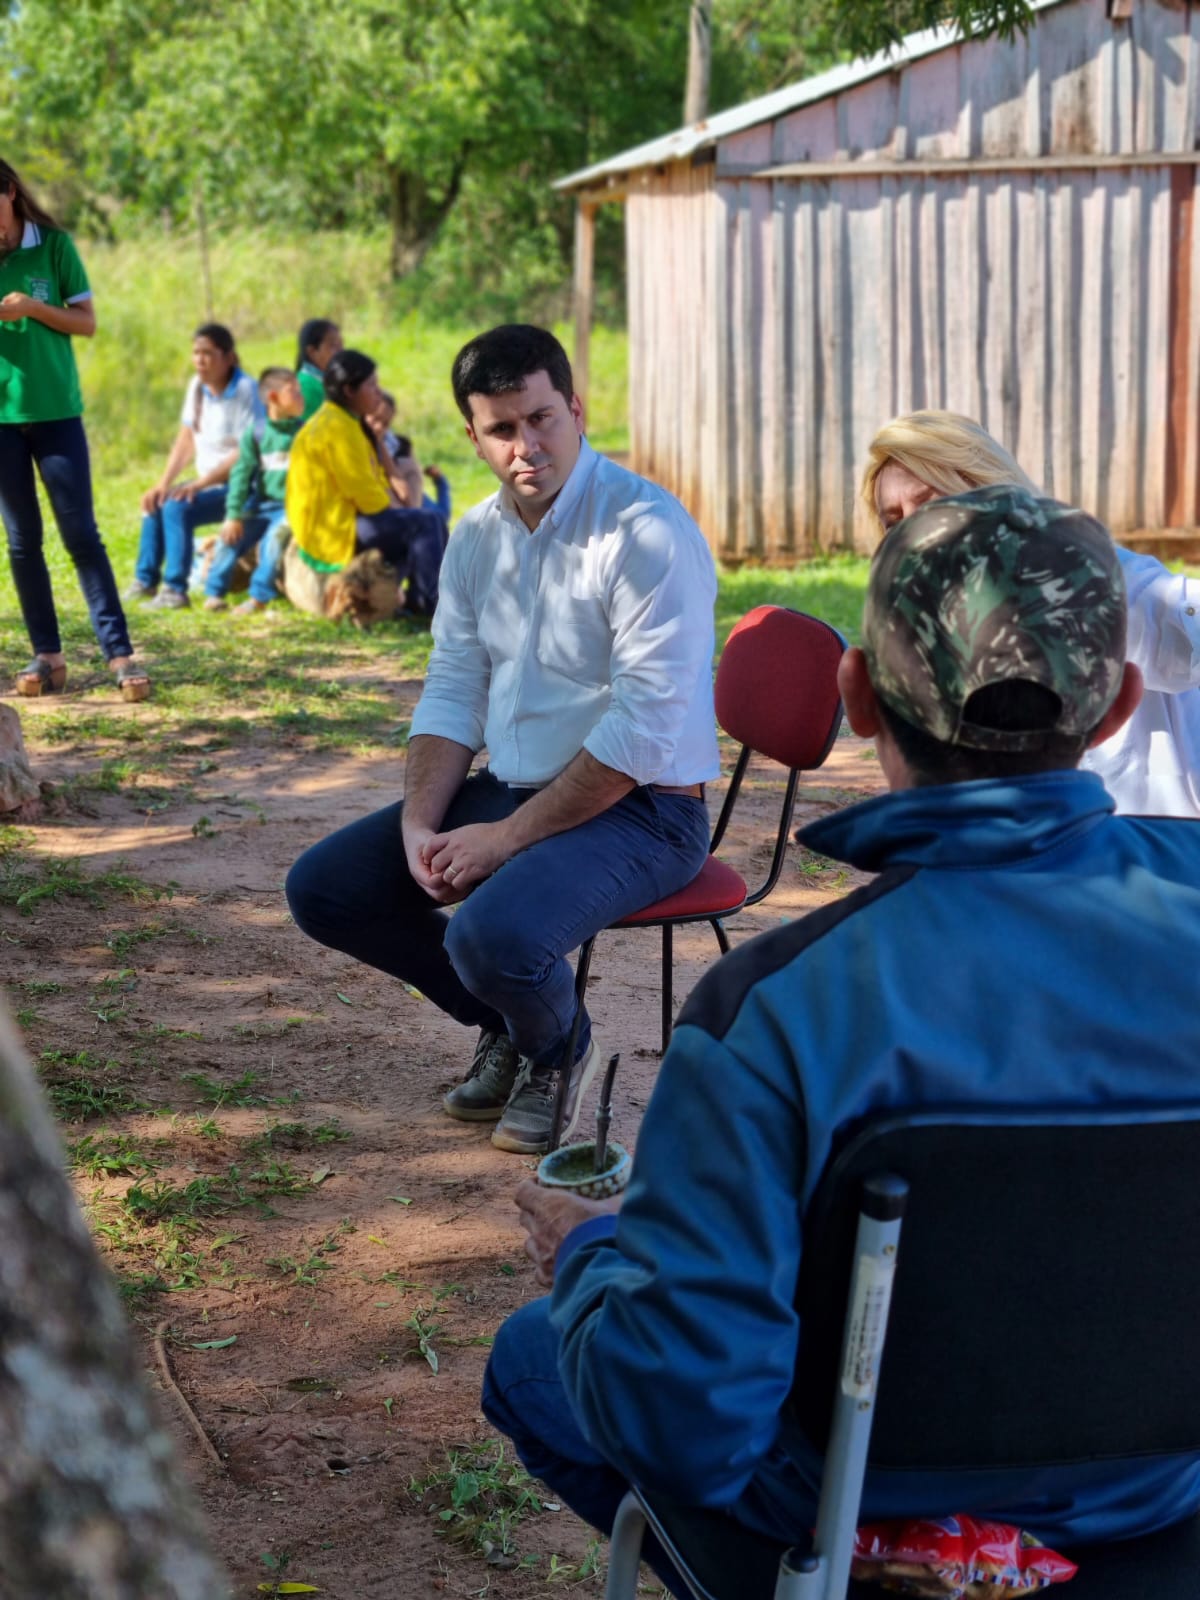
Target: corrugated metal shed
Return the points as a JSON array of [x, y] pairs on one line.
[[1007, 230]]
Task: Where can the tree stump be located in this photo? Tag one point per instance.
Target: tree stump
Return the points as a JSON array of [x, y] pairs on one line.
[[19, 789], [92, 1501]]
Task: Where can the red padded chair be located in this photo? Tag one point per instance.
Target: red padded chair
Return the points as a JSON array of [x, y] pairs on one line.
[[776, 693]]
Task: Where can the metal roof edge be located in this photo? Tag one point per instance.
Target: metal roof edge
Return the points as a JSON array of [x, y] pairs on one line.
[[685, 142]]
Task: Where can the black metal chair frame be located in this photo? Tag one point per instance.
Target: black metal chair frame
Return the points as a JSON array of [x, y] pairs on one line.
[[716, 922]]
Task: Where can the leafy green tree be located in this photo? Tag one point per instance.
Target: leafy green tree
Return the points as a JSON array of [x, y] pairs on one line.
[[444, 121]]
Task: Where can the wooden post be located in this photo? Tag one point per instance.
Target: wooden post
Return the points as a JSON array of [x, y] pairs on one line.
[[695, 98], [585, 251], [205, 260]]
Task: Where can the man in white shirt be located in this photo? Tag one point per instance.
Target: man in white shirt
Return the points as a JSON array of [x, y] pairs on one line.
[[574, 639]]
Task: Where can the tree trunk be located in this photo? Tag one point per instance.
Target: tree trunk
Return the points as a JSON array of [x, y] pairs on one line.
[[92, 1501], [695, 99], [416, 216]]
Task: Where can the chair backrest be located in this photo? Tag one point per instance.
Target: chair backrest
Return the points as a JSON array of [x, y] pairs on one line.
[[1047, 1292], [776, 687]]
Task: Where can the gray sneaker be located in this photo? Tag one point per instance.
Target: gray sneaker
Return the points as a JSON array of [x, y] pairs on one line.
[[484, 1092], [138, 590], [525, 1126], [169, 600]]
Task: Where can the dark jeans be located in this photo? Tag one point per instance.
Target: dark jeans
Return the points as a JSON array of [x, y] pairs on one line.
[[414, 543], [167, 544], [59, 451], [499, 960], [524, 1398]]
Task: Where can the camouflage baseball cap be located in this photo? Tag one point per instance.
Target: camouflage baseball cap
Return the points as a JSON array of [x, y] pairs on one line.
[[990, 586]]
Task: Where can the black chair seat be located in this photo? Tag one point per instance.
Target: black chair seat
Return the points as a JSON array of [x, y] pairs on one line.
[[728, 1562]]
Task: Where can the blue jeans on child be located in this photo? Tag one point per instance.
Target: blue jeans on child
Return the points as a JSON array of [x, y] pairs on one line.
[[168, 537], [260, 521], [264, 583], [499, 960], [59, 452]]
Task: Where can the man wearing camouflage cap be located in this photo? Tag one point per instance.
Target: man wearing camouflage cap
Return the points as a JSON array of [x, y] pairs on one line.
[[1012, 911]]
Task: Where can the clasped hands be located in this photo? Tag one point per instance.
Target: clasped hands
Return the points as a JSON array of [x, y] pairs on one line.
[[449, 865], [14, 306]]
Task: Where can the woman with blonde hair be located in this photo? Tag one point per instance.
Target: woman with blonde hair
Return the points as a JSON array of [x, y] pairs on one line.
[[927, 454], [1152, 766]]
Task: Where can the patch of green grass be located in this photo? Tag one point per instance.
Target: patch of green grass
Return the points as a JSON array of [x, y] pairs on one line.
[[302, 1270], [831, 587], [296, 1136], [820, 869], [479, 1497], [76, 1099], [279, 1177], [123, 944], [424, 1332], [105, 1155], [241, 1092], [267, 1030], [42, 986], [26, 881], [27, 1017], [151, 1203]]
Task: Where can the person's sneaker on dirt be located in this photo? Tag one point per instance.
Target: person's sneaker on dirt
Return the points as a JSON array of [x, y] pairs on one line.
[[249, 608], [169, 600], [525, 1126], [484, 1092]]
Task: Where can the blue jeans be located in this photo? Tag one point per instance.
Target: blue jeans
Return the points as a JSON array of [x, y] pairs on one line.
[[264, 584], [59, 451], [168, 536], [259, 521], [414, 543], [523, 1397], [499, 960]]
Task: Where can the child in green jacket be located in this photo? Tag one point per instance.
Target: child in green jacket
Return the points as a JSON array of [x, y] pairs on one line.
[[254, 502]]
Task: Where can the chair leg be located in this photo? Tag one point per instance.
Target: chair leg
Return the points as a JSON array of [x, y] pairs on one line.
[[718, 927], [568, 1059], [668, 997], [625, 1550]]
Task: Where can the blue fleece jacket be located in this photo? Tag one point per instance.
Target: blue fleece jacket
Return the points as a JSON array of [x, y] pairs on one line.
[[1022, 946]]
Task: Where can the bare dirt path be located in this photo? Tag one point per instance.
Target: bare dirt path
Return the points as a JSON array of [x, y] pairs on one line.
[[281, 1175]]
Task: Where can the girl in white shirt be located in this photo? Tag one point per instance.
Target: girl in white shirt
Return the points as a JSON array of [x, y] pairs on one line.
[[220, 404]]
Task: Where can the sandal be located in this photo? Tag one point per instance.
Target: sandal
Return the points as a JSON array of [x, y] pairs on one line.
[[39, 677], [133, 682]]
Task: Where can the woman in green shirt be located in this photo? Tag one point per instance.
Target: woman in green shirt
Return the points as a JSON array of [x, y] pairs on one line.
[[320, 341], [45, 300]]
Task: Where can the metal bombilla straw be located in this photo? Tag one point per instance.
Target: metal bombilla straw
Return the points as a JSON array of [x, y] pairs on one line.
[[604, 1114]]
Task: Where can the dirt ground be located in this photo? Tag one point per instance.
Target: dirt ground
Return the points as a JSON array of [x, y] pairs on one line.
[[382, 1238]]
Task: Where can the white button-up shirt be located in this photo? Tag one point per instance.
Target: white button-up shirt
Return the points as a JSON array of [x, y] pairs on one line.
[[594, 632], [1151, 766]]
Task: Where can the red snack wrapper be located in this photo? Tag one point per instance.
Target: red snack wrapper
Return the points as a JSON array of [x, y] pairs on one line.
[[956, 1558]]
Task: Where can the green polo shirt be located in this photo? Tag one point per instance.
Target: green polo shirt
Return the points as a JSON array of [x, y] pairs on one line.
[[39, 381], [312, 387]]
